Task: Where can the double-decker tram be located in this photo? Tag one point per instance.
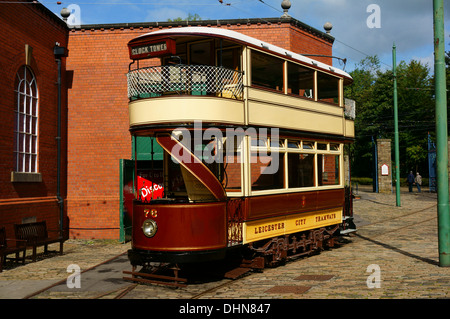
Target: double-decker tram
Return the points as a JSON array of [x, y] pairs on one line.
[[246, 144]]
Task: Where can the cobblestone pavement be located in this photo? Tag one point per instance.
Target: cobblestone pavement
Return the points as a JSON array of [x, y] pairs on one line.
[[397, 245]]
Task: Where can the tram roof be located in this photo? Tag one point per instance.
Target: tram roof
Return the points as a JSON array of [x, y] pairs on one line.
[[244, 39]]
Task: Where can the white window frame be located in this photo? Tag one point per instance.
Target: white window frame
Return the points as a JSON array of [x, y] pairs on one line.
[[26, 122], [301, 149]]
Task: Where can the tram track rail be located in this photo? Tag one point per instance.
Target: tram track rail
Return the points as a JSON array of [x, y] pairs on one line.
[[398, 217], [228, 283], [121, 292], [403, 227], [365, 226], [375, 238], [41, 291]]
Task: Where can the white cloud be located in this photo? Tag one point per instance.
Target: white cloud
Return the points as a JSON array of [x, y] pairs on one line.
[[426, 60]]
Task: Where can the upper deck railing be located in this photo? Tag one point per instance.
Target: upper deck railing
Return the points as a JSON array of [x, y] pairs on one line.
[[184, 79]]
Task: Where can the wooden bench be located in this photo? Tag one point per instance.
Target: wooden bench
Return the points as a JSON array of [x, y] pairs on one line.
[[6, 249], [36, 235]]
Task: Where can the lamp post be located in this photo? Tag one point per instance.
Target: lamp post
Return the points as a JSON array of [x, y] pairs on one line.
[[441, 135], [396, 138]]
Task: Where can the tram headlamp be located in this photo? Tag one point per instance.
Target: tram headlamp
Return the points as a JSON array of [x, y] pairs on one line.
[[149, 227]]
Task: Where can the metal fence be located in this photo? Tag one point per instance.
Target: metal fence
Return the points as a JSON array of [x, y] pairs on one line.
[[184, 79]]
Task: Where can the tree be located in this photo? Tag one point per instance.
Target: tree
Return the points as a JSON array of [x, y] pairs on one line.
[[372, 91], [415, 154], [364, 77], [190, 17]]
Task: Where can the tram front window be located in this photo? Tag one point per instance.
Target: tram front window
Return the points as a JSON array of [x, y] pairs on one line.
[[200, 53], [229, 58], [185, 178]]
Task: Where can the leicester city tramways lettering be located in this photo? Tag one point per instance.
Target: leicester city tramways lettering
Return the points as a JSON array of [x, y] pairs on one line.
[[269, 228], [298, 222], [325, 217], [291, 224]]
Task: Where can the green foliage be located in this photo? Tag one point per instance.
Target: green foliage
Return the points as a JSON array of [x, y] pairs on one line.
[[190, 17], [362, 180], [415, 154], [372, 90]]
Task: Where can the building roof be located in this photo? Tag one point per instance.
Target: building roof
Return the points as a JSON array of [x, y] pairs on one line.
[[290, 20]]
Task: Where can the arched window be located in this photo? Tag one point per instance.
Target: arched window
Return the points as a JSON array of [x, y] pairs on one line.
[[26, 122]]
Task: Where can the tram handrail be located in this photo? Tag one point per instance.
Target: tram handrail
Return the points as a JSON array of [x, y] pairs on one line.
[[184, 79]]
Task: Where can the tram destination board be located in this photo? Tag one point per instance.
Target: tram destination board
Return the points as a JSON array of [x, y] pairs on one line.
[[156, 48]]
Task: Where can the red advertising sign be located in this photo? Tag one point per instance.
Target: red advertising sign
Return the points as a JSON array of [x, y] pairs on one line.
[[150, 185]]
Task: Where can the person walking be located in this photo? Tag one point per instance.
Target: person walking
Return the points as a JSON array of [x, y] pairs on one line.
[[410, 180], [418, 181]]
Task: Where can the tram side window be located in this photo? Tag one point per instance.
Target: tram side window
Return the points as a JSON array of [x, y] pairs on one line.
[[301, 170], [267, 170], [267, 71], [300, 81], [328, 169], [328, 88], [232, 165]]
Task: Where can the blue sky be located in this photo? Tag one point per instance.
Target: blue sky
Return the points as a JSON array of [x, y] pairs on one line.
[[360, 27]]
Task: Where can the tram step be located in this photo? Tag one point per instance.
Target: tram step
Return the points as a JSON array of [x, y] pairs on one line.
[[237, 272]]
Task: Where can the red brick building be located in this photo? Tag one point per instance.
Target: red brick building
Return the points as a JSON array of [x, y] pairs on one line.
[[28, 146], [94, 79]]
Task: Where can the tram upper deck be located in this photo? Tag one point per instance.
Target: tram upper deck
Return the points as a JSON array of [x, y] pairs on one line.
[[224, 77]]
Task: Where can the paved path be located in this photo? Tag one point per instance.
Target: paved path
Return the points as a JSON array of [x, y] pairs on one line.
[[397, 245]]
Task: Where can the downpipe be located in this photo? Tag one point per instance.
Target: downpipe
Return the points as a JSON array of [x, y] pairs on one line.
[[58, 142], [59, 53]]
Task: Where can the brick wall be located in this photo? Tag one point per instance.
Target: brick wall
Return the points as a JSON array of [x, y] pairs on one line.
[[98, 135], [34, 25], [97, 131]]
